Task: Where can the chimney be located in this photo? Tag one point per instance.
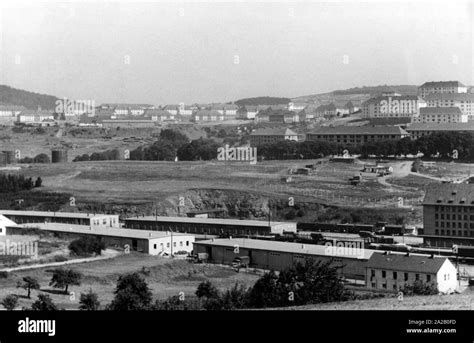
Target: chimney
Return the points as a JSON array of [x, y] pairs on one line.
[[432, 256], [230, 237]]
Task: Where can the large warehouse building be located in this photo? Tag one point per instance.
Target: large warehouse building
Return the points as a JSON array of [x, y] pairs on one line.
[[89, 219], [149, 242], [267, 255], [210, 226]]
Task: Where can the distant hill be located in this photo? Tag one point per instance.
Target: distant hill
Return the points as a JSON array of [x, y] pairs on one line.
[[262, 100], [30, 100], [356, 95]]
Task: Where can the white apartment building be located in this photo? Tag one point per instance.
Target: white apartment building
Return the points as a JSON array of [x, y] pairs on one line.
[[393, 107], [465, 102], [441, 87], [440, 115]]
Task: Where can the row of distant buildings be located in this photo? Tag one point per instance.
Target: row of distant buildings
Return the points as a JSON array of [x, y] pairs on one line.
[[436, 102], [356, 135], [143, 115]]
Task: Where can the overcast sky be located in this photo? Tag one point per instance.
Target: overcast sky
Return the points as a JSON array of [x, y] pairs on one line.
[[211, 52]]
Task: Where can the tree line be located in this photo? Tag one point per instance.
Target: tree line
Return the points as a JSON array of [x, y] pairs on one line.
[[14, 183], [445, 145]]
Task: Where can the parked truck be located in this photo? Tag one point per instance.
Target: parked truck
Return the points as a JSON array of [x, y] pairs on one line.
[[240, 262]]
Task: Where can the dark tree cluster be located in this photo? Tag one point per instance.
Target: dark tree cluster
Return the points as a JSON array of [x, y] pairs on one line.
[[15, 183]]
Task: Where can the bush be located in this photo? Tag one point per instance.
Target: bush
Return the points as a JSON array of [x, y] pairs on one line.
[[44, 303], [291, 214], [86, 246], [419, 288], [10, 302]]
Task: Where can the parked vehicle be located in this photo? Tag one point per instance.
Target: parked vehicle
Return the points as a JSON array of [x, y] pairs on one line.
[[240, 262]]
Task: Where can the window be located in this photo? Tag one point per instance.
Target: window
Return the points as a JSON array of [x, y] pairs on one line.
[[187, 243], [373, 284], [154, 246], [394, 275], [167, 245], [417, 277], [428, 278], [384, 286], [174, 244], [405, 276], [384, 273], [372, 273]]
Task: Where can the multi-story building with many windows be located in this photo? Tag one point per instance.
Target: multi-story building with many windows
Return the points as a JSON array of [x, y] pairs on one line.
[[440, 115], [355, 135], [270, 136], [465, 102], [393, 106], [441, 87], [448, 215]]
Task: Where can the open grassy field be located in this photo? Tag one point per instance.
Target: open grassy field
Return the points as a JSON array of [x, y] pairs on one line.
[[147, 181], [166, 278], [453, 302], [448, 170]]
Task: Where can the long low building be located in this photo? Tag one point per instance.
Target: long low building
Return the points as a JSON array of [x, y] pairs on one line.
[[393, 271], [417, 130], [95, 220], [278, 256], [149, 242], [355, 135], [210, 226]]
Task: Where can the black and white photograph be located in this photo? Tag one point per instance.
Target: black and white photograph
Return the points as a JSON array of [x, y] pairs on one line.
[[222, 159]]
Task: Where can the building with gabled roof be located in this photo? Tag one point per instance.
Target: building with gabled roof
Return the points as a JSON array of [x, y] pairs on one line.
[[448, 214], [206, 116], [441, 87], [465, 102], [272, 135], [417, 130], [392, 271], [355, 135], [440, 115]]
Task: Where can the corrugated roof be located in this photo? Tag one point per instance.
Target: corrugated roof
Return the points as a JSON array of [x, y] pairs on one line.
[[215, 221], [449, 194], [359, 130], [411, 263], [296, 248]]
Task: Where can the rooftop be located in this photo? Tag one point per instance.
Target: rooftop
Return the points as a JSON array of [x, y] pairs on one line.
[[215, 221], [280, 131], [450, 96], [449, 194], [440, 110], [111, 232], [297, 248], [410, 263], [52, 214], [359, 130], [469, 126], [438, 84]]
